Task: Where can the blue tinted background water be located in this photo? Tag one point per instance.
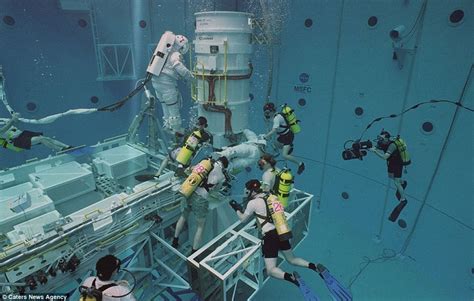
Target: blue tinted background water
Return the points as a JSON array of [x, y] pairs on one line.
[[48, 58]]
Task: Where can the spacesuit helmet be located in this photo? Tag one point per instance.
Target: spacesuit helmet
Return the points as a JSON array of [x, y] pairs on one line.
[[181, 43]]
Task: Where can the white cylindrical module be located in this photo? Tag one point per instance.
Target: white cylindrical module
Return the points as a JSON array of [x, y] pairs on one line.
[[222, 69]]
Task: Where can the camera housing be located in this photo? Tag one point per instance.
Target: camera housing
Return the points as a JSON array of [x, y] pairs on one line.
[[357, 151], [396, 34], [400, 50]]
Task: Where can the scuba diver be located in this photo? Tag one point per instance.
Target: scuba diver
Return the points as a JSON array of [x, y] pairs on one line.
[[17, 140], [395, 152], [206, 177], [184, 154], [285, 126], [102, 287], [275, 180], [272, 222], [244, 154], [166, 83], [268, 165]]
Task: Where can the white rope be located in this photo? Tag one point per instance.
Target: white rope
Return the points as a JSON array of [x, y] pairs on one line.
[[52, 118]]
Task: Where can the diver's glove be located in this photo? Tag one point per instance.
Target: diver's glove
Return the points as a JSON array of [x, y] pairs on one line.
[[236, 206]]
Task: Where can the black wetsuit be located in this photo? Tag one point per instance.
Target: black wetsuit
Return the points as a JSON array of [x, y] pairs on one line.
[[394, 162]]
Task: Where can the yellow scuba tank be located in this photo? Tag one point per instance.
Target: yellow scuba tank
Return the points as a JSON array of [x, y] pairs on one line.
[[277, 213], [199, 173], [283, 185], [189, 148], [4, 143], [290, 117], [88, 298], [402, 149]]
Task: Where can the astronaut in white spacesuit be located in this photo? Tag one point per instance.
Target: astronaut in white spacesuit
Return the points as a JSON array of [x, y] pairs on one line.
[[245, 154], [166, 83]]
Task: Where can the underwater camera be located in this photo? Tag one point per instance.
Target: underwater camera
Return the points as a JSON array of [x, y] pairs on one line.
[[357, 151]]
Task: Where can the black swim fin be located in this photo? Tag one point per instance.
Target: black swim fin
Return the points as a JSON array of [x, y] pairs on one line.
[[397, 210]]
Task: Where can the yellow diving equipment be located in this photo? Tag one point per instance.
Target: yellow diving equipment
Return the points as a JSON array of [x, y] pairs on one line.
[[88, 298], [283, 185], [5, 144], [199, 173], [190, 146], [277, 214], [290, 117], [402, 149]]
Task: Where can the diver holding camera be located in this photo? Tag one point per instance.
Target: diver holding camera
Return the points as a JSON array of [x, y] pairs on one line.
[[394, 151], [391, 149]]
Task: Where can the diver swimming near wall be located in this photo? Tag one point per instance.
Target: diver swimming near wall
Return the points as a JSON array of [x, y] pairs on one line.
[[17, 140], [285, 125], [271, 219], [394, 151]]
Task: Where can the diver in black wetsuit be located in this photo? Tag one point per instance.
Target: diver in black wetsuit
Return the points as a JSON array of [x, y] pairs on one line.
[[388, 150], [17, 140]]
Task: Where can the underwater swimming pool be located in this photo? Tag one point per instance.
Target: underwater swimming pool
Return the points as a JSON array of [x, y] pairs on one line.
[[349, 71]]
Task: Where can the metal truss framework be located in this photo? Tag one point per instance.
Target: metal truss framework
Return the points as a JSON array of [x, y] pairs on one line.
[[138, 229]]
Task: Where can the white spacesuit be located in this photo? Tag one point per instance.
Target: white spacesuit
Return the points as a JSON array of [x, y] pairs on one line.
[[245, 154], [166, 83]]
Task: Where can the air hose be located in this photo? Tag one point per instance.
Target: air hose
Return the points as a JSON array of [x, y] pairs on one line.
[[117, 105], [413, 108]]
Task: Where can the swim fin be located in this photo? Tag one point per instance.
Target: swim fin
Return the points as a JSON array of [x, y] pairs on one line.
[[305, 290], [397, 210], [338, 292], [404, 185], [146, 177]]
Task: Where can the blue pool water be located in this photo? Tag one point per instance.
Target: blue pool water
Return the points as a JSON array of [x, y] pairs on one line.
[[335, 64]]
